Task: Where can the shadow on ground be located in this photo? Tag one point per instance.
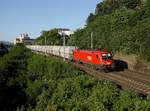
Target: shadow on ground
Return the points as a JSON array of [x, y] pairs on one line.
[[120, 65]]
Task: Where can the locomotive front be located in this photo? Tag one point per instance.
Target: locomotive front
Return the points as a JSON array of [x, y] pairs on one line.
[[107, 60]]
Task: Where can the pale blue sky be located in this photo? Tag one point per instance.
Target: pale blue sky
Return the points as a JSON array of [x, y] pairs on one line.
[[33, 16]]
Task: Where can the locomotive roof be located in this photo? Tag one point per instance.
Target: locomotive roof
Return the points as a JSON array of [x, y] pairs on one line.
[[95, 51]]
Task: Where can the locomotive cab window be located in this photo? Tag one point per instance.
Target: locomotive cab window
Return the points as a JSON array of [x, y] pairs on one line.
[[106, 56]]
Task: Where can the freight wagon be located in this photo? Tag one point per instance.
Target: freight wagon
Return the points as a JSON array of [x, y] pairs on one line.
[[60, 51]]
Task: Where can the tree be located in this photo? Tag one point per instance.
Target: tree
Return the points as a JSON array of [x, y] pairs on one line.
[[12, 78], [90, 18], [3, 49], [52, 38]]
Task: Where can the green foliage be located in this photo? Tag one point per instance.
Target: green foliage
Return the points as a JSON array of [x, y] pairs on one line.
[[51, 37], [109, 6], [90, 18], [129, 101], [12, 78], [131, 3], [3, 49], [146, 9]]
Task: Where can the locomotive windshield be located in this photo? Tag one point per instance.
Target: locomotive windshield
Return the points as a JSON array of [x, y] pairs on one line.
[[106, 56]]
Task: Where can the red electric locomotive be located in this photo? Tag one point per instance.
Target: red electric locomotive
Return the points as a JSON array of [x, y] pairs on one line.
[[101, 59]]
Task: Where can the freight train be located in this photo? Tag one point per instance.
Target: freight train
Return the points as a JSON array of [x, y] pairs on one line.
[[97, 58]]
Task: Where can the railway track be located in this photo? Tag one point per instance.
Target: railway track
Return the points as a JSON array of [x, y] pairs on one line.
[[135, 76], [120, 78]]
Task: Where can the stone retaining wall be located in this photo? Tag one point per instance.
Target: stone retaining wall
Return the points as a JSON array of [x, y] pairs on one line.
[[133, 64]]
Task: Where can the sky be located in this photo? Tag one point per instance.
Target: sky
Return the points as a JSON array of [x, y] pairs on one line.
[[34, 16]]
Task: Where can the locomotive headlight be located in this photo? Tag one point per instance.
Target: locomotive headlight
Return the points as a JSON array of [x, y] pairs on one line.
[[103, 54], [108, 63]]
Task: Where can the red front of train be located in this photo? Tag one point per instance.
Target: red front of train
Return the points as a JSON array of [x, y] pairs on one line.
[[97, 57]]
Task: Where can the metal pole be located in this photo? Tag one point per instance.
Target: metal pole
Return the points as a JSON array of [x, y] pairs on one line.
[[64, 40], [91, 40], [45, 45], [45, 40], [64, 43]]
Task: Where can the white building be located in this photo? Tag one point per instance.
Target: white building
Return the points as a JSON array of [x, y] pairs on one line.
[[24, 38], [65, 32]]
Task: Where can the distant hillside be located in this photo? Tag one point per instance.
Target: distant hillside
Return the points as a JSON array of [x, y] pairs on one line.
[[3, 49], [7, 44]]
